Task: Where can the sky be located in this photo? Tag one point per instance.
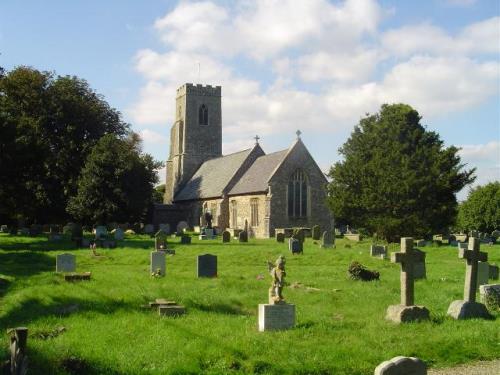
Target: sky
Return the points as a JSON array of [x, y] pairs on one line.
[[284, 65]]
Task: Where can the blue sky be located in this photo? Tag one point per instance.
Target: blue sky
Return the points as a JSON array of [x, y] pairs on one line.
[[313, 65]]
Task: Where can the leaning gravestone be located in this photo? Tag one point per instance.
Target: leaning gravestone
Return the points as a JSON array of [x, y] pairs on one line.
[[468, 307], [377, 250], [207, 265], [181, 226], [280, 237], [119, 234], [243, 236], [160, 240], [327, 240], [65, 263], [316, 232], [402, 366], [158, 263], [295, 246], [406, 311], [226, 236]]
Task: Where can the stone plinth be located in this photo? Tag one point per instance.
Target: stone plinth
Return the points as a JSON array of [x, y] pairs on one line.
[[405, 314], [276, 317], [171, 310], [467, 310]]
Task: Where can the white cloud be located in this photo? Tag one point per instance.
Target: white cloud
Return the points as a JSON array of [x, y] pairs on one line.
[[151, 136], [488, 152]]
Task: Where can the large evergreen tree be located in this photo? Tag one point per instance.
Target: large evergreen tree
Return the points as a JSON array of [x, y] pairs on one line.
[[397, 178], [481, 210]]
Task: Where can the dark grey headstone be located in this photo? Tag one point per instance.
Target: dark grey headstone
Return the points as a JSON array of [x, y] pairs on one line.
[[295, 246], [185, 240], [243, 236], [226, 236], [207, 265], [280, 237]]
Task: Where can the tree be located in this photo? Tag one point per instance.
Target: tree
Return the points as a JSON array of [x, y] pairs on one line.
[[116, 183], [158, 193], [396, 178], [48, 126], [481, 210]]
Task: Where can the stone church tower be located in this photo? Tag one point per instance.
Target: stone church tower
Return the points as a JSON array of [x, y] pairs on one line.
[[195, 136]]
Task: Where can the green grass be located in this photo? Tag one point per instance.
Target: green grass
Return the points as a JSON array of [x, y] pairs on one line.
[[340, 328]]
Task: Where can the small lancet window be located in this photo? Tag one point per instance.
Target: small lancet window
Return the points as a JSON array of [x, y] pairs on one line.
[[297, 194], [203, 115]]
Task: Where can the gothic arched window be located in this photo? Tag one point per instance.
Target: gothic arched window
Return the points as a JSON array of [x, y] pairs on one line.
[[297, 194], [203, 115]]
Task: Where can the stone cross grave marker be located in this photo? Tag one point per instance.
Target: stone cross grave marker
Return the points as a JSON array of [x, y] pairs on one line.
[[207, 265], [158, 263], [407, 311], [160, 240], [468, 307], [226, 236], [65, 263]]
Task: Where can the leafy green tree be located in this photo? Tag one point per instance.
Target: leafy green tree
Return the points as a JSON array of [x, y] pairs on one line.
[[397, 178], [116, 183], [48, 125], [481, 210], [158, 193]]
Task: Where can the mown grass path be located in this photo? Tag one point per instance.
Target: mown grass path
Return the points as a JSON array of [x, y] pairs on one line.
[[340, 322]]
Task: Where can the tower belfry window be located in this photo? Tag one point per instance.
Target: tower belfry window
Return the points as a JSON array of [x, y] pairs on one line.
[[203, 115]]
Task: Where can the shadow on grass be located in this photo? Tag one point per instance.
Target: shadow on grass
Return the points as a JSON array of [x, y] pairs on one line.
[[25, 263], [235, 308]]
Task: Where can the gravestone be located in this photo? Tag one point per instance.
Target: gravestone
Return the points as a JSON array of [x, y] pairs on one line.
[[356, 237], [65, 263], [316, 232], [402, 366], [295, 246], [327, 240], [243, 236], [226, 236], [299, 235], [160, 241], [185, 240], [119, 234], [207, 265], [406, 311], [100, 232], [4, 229], [181, 226], [493, 272], [490, 291], [158, 263], [149, 229], [377, 250], [462, 245], [164, 227], [468, 307], [280, 237], [419, 271], [483, 273]]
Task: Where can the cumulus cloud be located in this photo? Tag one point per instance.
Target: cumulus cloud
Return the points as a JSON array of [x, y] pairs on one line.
[[489, 152], [151, 136]]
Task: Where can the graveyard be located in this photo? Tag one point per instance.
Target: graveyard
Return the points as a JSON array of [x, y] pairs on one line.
[[104, 324]]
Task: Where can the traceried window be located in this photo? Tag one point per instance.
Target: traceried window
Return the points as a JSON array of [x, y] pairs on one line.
[[297, 194], [234, 215], [254, 212], [203, 115]]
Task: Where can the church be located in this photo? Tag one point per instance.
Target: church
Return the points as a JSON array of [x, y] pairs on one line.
[[248, 189]]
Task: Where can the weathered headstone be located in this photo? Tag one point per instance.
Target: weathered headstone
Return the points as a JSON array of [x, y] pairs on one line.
[[226, 236], [490, 295], [158, 263], [119, 234], [356, 237], [100, 232], [316, 232], [280, 237], [483, 273], [419, 271], [295, 246], [160, 240], [4, 229], [149, 229], [164, 227], [468, 307], [406, 311], [377, 250], [207, 265], [243, 236], [327, 240], [65, 263], [402, 366], [493, 272], [181, 226]]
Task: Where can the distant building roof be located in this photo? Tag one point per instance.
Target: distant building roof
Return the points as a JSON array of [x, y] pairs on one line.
[[256, 178], [212, 177]]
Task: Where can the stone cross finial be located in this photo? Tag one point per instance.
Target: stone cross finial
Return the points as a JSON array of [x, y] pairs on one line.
[[256, 139], [472, 255], [298, 132], [407, 257]]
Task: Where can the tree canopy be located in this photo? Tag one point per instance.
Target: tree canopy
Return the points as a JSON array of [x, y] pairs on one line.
[[397, 178], [481, 210]]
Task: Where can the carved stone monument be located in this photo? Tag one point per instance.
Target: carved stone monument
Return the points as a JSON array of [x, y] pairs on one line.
[[407, 311], [468, 307]]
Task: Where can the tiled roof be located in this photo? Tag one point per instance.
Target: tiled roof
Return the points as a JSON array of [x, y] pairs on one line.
[[257, 176], [212, 177]]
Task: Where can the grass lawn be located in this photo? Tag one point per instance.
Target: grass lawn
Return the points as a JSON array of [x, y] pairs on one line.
[[340, 322]]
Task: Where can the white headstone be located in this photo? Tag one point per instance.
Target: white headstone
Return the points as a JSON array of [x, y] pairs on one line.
[[276, 317], [158, 263], [65, 263]]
